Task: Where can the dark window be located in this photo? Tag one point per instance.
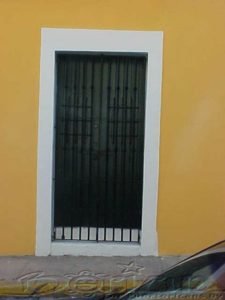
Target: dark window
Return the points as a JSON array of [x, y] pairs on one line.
[[188, 276], [99, 146]]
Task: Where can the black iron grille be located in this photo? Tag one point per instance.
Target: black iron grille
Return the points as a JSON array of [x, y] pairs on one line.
[[99, 145]]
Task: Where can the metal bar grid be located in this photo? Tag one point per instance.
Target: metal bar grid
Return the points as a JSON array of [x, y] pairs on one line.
[[99, 147], [104, 234]]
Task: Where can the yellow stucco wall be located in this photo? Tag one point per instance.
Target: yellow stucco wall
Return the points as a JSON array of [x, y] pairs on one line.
[[191, 205]]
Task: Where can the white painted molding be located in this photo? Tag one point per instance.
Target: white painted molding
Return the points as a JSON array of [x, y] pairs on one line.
[[94, 249], [52, 40]]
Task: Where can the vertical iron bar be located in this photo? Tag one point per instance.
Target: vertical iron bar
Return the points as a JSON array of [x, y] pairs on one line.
[[91, 137], [77, 142], [84, 122], [133, 105], [125, 144], [80, 139], [138, 139], [99, 196], [117, 138], [101, 203], [115, 119], [58, 137], [65, 138], [83, 140], [141, 130], [107, 141], [139, 235], [73, 90], [122, 208]]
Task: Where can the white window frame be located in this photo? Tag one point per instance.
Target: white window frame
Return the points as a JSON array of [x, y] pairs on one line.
[[53, 40]]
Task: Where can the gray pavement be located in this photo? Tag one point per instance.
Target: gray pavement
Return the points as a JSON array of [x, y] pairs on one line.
[[15, 268], [77, 276]]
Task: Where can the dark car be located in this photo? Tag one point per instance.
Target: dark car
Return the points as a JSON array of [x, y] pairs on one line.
[[201, 276]]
